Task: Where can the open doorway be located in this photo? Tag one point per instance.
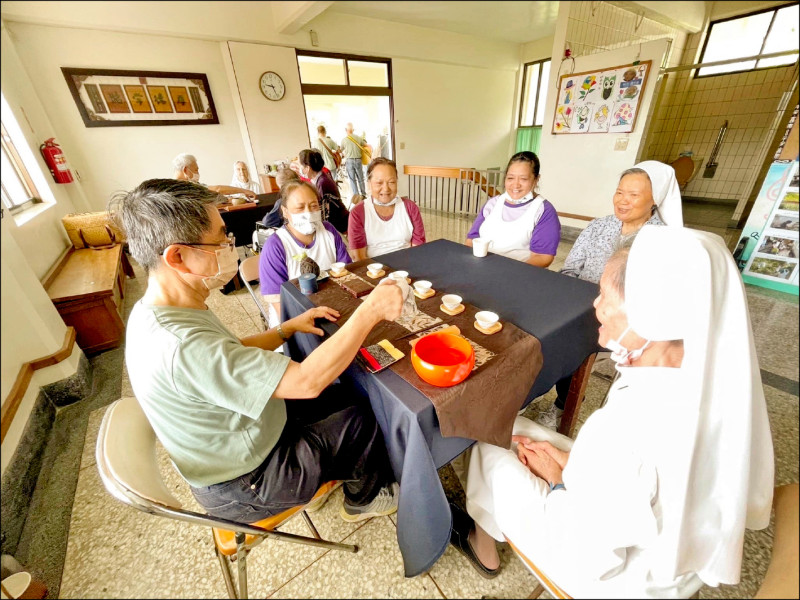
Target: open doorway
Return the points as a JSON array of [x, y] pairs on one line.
[[339, 89]]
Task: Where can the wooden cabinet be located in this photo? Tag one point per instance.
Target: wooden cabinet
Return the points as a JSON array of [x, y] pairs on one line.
[[268, 183], [88, 288]]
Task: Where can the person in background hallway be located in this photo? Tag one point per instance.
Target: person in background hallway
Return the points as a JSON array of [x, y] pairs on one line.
[[333, 209], [519, 223], [383, 222], [250, 430], [328, 148], [653, 497], [241, 178], [351, 153], [647, 193], [186, 169]]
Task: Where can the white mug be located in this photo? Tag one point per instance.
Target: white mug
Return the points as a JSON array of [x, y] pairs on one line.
[[480, 247]]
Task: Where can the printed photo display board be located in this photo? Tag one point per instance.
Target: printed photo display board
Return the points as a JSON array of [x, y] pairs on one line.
[[774, 258], [604, 101]]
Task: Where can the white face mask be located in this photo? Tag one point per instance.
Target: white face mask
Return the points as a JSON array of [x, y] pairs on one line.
[[620, 354], [391, 202], [306, 222], [227, 266], [195, 178], [525, 198]]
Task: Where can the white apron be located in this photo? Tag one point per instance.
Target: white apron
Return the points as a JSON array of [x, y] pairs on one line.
[[323, 252], [512, 238], [387, 236]]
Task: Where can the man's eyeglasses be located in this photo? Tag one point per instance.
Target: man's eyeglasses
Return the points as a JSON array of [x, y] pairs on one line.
[[230, 242]]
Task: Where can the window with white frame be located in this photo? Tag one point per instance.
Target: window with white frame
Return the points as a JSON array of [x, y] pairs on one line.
[[763, 32], [18, 189], [534, 91]]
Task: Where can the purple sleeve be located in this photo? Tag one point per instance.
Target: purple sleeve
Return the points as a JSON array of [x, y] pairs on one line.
[[418, 233], [272, 269], [341, 249], [355, 228], [475, 230], [547, 232]]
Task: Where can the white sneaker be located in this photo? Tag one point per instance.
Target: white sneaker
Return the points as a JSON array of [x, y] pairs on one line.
[[385, 503], [551, 418]]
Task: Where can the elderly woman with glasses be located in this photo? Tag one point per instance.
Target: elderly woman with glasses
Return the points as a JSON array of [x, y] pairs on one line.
[[653, 497]]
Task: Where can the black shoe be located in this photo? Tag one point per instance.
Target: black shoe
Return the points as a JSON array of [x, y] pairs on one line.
[[459, 537]]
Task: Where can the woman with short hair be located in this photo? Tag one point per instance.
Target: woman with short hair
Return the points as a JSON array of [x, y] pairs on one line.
[[312, 167], [304, 234], [383, 222]]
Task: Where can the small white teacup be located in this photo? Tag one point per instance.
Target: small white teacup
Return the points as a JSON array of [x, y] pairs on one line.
[[399, 275], [486, 318], [422, 286], [451, 301], [480, 247], [374, 268], [337, 267]]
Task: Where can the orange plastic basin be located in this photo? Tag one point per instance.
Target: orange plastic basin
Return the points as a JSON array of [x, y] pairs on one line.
[[443, 359]]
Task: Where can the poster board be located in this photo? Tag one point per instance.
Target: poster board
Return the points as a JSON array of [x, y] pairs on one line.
[[600, 101], [773, 262]]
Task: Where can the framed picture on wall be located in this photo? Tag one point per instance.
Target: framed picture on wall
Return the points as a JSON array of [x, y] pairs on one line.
[[600, 101], [117, 98]]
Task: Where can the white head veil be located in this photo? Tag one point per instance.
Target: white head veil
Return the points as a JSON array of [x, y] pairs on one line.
[[666, 191], [683, 284]]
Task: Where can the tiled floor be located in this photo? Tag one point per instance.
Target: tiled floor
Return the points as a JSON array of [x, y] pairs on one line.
[[114, 551]]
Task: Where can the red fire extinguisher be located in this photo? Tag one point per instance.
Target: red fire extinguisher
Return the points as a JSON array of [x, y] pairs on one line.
[[56, 162]]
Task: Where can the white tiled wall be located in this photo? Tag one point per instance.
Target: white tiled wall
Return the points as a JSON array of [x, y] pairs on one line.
[[691, 112]]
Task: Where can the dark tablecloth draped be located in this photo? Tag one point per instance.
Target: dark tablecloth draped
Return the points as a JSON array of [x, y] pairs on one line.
[[554, 308], [241, 221]]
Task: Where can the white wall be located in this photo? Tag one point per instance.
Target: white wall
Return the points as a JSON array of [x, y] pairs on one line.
[[537, 49], [451, 116], [580, 172], [277, 130], [115, 158]]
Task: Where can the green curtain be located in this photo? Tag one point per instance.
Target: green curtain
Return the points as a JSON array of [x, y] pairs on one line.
[[528, 139]]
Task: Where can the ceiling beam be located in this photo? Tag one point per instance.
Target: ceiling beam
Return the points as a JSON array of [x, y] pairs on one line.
[[290, 17]]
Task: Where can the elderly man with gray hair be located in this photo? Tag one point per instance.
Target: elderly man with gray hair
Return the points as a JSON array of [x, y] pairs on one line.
[[186, 169], [237, 418], [351, 153]]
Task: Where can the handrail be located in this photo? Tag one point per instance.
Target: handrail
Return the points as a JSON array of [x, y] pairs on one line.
[[14, 398]]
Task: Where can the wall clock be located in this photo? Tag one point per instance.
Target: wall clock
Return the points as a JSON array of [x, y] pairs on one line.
[[272, 86]]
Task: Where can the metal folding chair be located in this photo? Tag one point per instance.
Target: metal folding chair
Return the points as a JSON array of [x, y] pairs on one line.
[[126, 459], [248, 271]]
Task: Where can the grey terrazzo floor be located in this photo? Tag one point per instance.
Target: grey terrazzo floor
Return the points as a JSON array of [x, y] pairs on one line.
[[113, 551]]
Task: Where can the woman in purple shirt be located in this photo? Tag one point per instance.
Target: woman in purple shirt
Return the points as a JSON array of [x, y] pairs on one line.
[[312, 168], [519, 223], [303, 232]]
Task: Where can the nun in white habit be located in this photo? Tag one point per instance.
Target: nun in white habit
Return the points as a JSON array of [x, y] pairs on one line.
[[653, 497], [241, 178], [647, 194]]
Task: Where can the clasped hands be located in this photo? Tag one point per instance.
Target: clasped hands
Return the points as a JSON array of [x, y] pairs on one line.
[[541, 458]]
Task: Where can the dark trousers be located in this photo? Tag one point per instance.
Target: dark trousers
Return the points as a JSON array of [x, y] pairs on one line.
[[562, 389], [334, 436]]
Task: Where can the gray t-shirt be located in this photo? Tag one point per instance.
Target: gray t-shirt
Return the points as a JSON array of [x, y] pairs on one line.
[[207, 396], [350, 149]]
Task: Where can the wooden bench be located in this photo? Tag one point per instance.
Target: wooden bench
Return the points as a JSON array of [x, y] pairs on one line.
[[87, 287]]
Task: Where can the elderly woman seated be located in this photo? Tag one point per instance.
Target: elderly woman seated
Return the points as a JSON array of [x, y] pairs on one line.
[[647, 193], [303, 235], [519, 223], [383, 222], [241, 178], [653, 497], [312, 167]]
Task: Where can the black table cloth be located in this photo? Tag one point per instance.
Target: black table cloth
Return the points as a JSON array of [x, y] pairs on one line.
[[554, 308], [242, 222]]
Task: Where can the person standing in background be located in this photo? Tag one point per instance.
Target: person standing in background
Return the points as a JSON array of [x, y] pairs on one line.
[[329, 150], [351, 152]]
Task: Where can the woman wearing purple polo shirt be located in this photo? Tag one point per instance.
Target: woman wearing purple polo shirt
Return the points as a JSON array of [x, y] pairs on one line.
[[303, 231], [519, 223]]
